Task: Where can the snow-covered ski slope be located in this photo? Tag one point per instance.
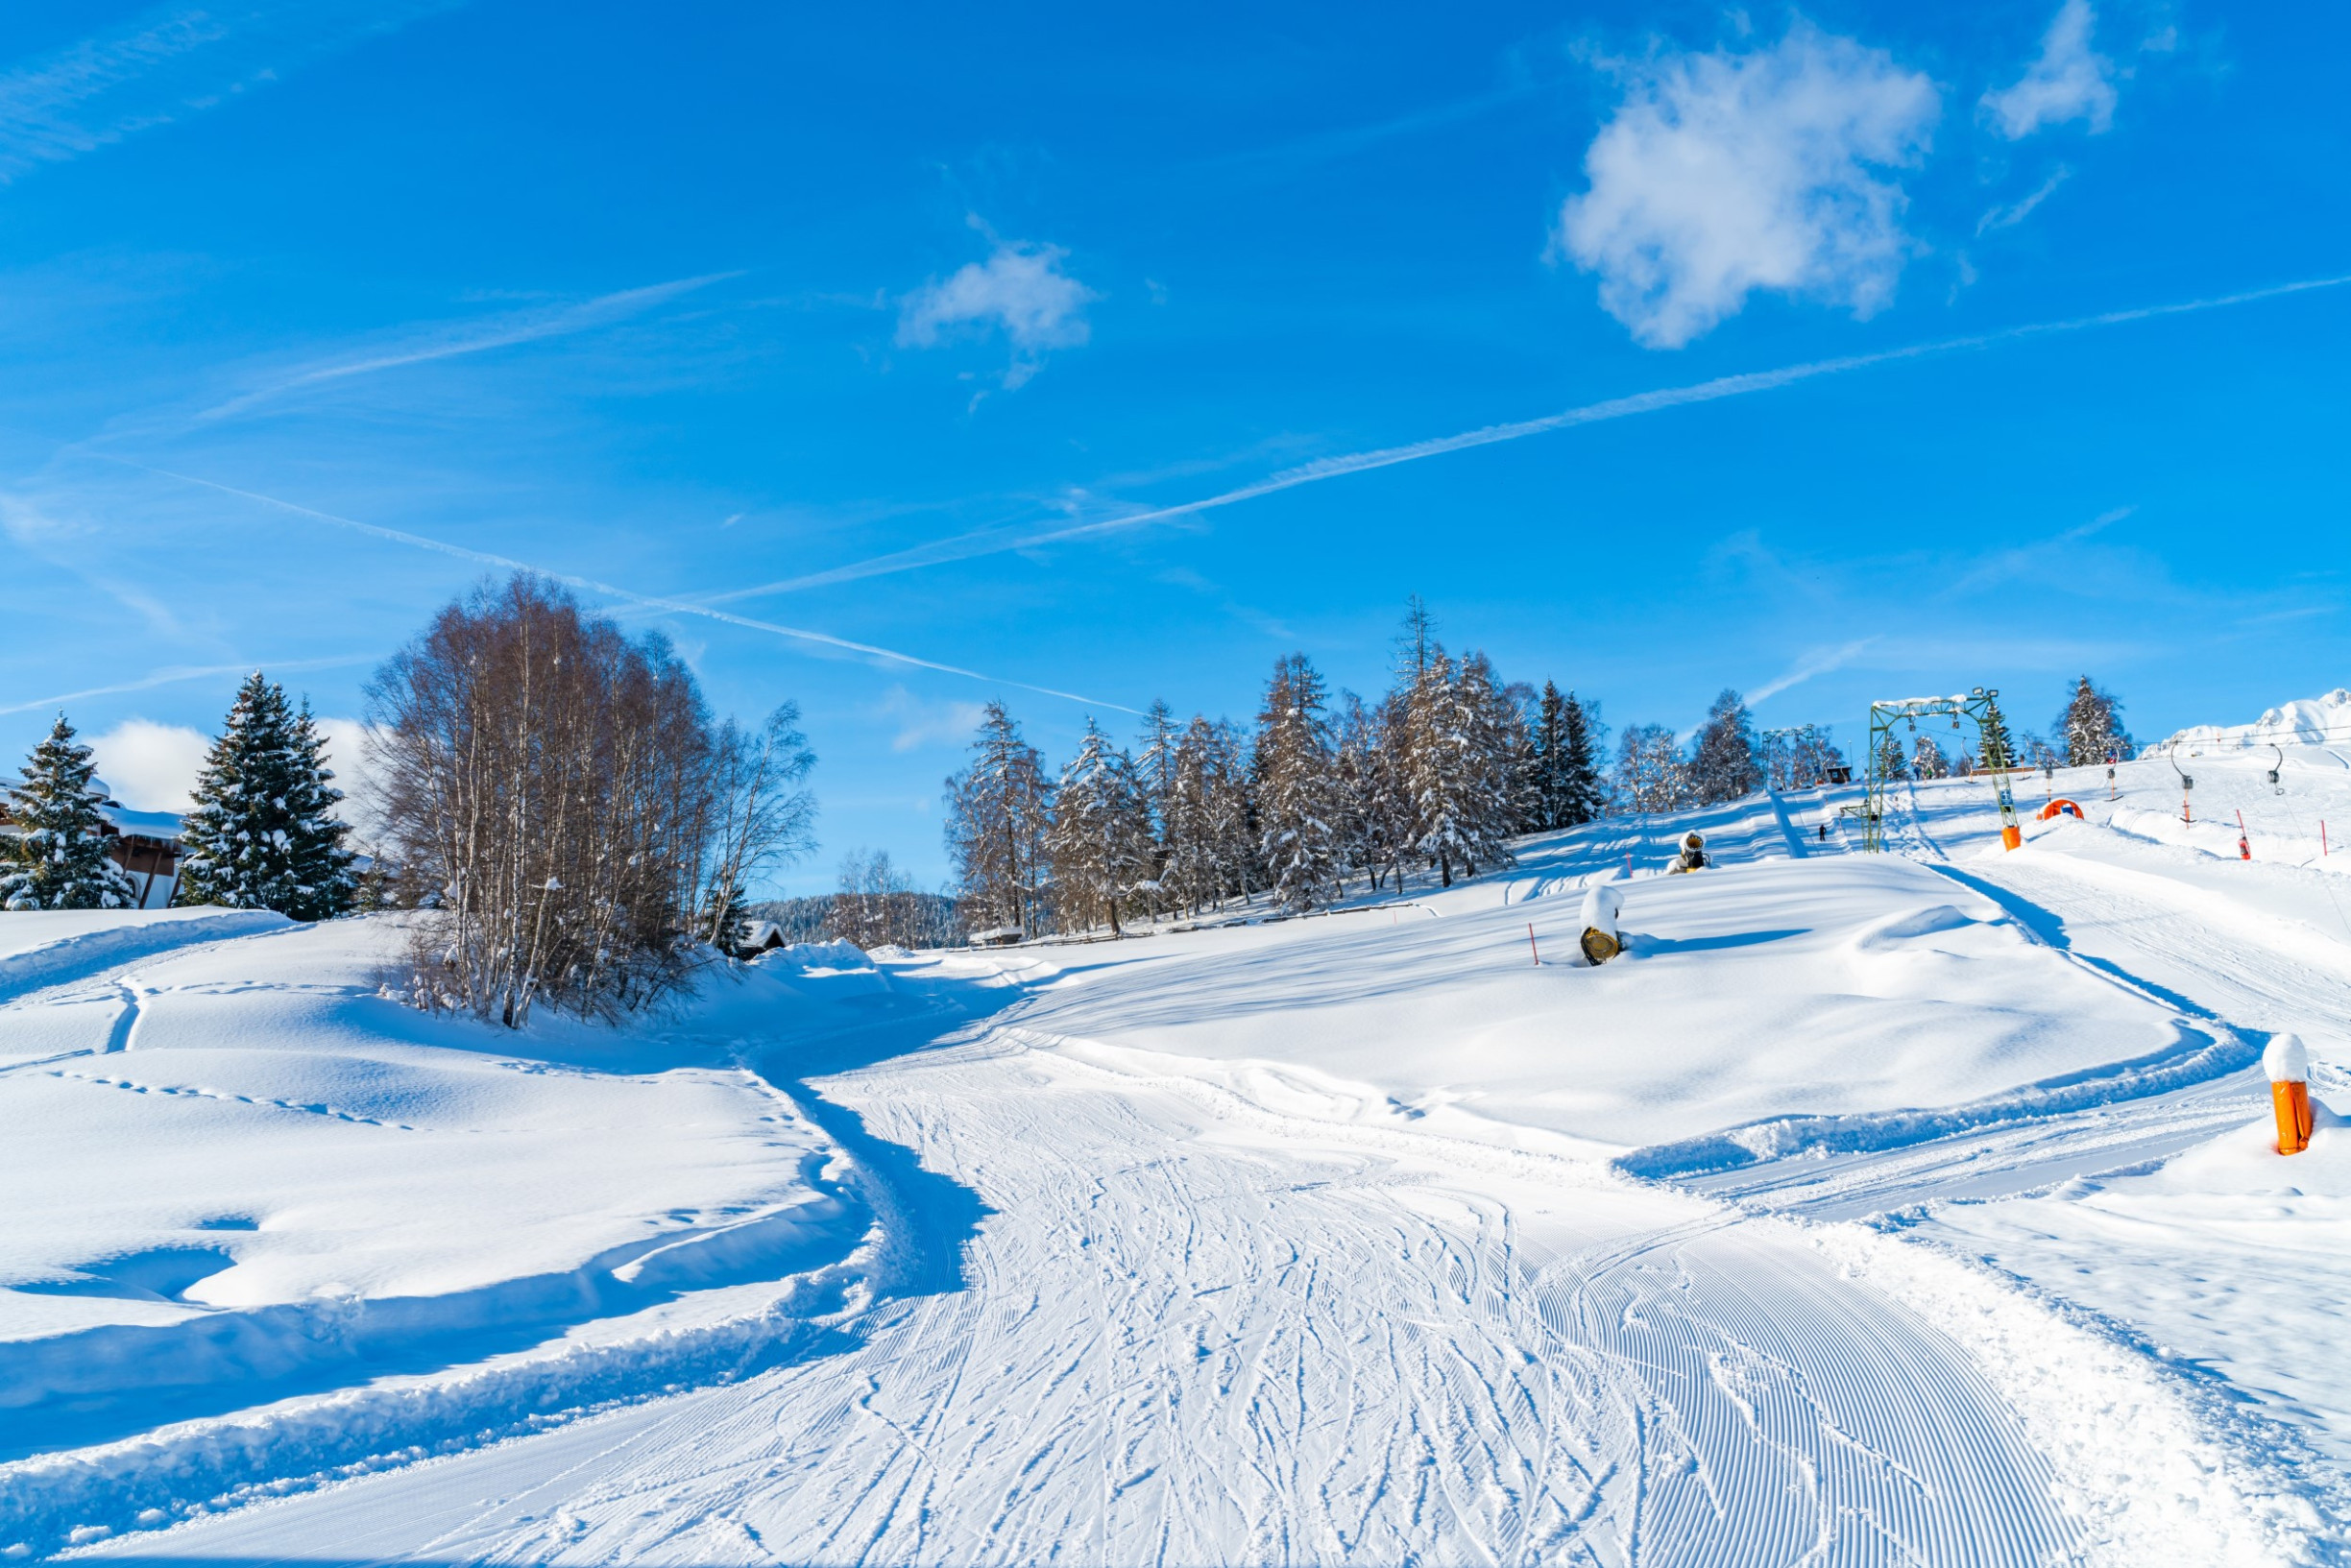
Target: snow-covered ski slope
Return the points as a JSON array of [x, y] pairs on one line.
[[1871, 1210]]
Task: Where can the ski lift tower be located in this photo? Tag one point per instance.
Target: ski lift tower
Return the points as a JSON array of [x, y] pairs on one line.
[[1974, 706]]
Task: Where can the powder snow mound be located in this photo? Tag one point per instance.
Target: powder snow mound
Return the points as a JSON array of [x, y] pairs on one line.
[[2308, 721], [45, 948]]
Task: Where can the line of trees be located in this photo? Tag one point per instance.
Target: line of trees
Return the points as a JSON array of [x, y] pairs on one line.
[[1437, 775], [262, 833]]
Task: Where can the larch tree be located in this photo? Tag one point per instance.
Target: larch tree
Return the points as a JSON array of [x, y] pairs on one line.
[[998, 810], [1297, 814], [1155, 767], [1723, 755], [1651, 773], [1099, 839], [2090, 730], [54, 854], [1891, 763]]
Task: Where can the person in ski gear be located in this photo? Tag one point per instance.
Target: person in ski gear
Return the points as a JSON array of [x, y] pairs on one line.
[[1693, 856]]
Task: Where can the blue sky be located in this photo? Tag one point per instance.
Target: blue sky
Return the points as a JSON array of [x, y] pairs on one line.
[[928, 331]]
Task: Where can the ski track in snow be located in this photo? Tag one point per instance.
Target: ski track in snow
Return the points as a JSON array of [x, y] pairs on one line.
[[1128, 1316]]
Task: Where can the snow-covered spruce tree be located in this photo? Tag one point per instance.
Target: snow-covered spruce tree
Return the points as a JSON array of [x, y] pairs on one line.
[[1371, 810], [998, 810], [2090, 730], [263, 833], [1551, 761], [1723, 756], [1099, 841], [1187, 867], [1926, 759], [324, 881], [53, 855], [1999, 746], [1584, 792], [1296, 810]]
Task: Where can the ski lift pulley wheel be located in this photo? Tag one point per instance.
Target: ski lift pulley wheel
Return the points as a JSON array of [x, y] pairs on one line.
[[1599, 947]]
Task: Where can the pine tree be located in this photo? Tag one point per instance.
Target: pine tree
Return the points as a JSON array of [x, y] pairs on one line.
[[1723, 757], [1584, 793], [262, 834], [1297, 814], [1099, 841], [2090, 730], [1926, 759], [54, 854]]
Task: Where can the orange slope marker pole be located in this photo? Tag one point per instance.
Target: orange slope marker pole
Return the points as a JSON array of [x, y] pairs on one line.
[[2288, 1065], [1531, 946]]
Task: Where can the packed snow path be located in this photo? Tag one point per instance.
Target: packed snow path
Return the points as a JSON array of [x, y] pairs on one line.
[[1191, 1335]]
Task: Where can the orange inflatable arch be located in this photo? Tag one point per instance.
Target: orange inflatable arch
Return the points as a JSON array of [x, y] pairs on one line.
[[2060, 806]]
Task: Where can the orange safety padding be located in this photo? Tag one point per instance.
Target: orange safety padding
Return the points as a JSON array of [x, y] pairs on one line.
[[2011, 837], [2293, 1115], [2060, 804]]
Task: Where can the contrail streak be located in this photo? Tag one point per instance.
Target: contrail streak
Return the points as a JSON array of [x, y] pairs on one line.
[[648, 602], [995, 541], [186, 672]]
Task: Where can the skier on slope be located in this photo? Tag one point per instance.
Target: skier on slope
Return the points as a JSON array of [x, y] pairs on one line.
[[1693, 855]]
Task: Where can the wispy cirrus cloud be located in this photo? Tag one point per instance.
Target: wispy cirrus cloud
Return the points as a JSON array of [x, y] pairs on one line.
[[803, 636], [1000, 540], [173, 674], [449, 340], [167, 64]]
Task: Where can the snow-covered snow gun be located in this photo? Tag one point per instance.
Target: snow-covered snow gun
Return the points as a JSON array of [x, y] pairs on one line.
[[2186, 784], [1693, 855], [2288, 1065], [1601, 906]]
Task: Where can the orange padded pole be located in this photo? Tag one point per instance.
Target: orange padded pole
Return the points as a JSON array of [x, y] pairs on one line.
[[2288, 1065]]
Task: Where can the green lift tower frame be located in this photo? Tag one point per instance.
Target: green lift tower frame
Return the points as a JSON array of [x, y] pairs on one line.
[[1978, 705]]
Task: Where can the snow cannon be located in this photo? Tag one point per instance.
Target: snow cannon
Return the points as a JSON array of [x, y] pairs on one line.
[[2288, 1065], [1601, 906], [2060, 807], [1693, 854]]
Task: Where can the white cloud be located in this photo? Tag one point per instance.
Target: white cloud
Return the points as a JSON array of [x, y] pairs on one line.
[[1020, 290], [149, 766], [923, 723], [2071, 80], [1723, 174]]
